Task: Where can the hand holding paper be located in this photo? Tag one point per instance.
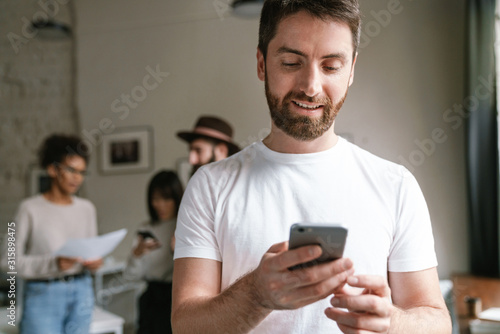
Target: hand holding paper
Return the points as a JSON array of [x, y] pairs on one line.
[[65, 263], [92, 248]]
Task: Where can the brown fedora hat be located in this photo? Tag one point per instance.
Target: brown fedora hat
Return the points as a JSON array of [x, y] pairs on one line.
[[213, 128]]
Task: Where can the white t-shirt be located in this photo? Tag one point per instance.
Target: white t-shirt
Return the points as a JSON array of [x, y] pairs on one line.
[[235, 209]]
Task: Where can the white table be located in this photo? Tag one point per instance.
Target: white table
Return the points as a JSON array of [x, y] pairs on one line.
[[105, 322]]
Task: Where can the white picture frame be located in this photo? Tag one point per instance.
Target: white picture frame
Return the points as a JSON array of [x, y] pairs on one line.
[[39, 181], [127, 150]]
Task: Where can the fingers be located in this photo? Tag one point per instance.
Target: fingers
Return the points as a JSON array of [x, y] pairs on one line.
[[376, 285], [293, 257], [278, 248], [70, 259], [363, 303], [145, 245], [65, 263], [93, 264], [338, 271], [89, 262], [150, 245], [280, 288], [315, 287], [370, 311], [350, 322]]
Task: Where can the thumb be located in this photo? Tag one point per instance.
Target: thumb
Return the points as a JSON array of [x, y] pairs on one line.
[[279, 247]]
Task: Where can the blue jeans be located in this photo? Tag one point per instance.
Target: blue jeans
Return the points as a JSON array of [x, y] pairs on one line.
[[58, 307]]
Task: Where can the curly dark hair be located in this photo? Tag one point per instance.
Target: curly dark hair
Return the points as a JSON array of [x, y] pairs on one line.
[[57, 147], [170, 187], [274, 11]]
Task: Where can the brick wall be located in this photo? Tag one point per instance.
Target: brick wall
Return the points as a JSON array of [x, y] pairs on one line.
[[36, 93]]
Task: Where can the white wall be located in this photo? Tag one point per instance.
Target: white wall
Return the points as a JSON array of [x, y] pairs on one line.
[[408, 74], [36, 96]]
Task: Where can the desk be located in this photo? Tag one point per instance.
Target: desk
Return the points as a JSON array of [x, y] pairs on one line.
[[488, 289], [105, 322]]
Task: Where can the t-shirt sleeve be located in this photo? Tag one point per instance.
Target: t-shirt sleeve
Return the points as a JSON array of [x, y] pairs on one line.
[[413, 245], [195, 234]]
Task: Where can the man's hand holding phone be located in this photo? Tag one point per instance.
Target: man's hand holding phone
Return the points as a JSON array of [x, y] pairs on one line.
[[277, 287]]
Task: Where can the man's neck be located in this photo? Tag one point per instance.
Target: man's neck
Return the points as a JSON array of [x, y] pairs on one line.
[[280, 142]]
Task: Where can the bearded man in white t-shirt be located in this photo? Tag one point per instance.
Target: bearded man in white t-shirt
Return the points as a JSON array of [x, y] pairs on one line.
[[231, 259]]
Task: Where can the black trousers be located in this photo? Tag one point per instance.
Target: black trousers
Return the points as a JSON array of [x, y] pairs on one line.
[[155, 308]]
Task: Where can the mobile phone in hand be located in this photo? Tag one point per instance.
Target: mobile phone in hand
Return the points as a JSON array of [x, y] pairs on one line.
[[330, 237], [146, 235]]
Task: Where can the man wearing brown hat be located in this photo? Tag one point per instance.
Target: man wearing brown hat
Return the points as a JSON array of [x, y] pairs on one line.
[[210, 140]]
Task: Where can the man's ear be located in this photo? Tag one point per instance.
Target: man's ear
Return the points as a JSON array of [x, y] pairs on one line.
[[221, 151], [351, 76], [261, 65]]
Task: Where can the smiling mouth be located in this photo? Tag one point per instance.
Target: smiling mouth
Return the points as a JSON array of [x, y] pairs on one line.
[[306, 106]]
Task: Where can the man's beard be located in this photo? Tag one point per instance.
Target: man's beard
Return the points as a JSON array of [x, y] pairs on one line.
[[194, 168], [302, 128]]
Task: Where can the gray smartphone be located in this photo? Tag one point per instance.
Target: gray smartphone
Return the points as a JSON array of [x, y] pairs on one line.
[[146, 235], [331, 238]]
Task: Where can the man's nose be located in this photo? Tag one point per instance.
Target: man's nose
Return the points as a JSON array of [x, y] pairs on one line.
[[311, 81], [193, 158]]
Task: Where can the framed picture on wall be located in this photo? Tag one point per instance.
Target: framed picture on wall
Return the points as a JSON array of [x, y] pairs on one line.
[[39, 181], [127, 150]]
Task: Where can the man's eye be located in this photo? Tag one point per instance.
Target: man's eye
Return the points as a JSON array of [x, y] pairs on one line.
[[290, 64], [332, 69]]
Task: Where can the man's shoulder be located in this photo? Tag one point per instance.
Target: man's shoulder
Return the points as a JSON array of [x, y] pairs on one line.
[[234, 162], [373, 162], [218, 175]]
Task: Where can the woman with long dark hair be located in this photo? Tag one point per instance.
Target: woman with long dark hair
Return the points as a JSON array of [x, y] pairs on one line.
[[152, 253]]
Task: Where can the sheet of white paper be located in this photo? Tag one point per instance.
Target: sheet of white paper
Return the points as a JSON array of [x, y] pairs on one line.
[[91, 248], [490, 314]]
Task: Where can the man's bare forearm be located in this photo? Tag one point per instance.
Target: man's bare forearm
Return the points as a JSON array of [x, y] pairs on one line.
[[235, 310], [429, 320]]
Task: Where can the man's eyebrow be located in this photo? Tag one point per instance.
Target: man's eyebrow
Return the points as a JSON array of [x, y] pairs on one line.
[[284, 49], [340, 55]]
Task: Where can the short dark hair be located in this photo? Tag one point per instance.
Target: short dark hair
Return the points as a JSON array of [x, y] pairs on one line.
[[57, 147], [274, 11], [170, 187]]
